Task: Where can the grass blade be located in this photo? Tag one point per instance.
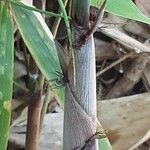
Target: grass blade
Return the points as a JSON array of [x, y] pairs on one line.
[[6, 72], [104, 144], [127, 9]]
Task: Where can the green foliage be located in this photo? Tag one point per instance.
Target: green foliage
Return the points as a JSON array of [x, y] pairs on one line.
[[62, 7], [104, 144], [50, 14], [40, 43], [124, 8], [96, 2], [6, 73]]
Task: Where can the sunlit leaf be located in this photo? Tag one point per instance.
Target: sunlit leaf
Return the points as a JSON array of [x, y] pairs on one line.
[[96, 2], [40, 43], [124, 8], [104, 144], [6, 73]]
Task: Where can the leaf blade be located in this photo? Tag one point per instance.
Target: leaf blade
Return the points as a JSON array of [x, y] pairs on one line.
[[123, 8], [6, 72], [40, 43], [126, 9], [104, 144]]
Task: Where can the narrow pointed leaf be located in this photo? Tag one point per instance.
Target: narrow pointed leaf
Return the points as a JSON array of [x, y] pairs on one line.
[[124, 8], [96, 2], [6, 73], [104, 144], [40, 43]]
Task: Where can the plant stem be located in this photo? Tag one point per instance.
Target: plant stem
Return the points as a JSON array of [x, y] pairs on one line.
[[34, 110], [57, 21], [80, 103], [80, 122], [45, 104], [62, 7], [80, 12]]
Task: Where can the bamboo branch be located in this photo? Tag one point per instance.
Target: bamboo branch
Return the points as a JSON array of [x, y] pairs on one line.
[[114, 64], [57, 22]]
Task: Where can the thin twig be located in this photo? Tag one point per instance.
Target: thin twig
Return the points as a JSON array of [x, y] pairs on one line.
[[114, 64], [57, 21], [66, 21]]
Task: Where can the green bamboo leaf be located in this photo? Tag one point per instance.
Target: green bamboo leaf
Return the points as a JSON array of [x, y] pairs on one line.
[[40, 43], [6, 72], [96, 2], [104, 144], [124, 8], [50, 14]]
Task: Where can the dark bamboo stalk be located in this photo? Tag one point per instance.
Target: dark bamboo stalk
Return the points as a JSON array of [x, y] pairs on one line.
[[80, 12], [34, 109], [35, 105]]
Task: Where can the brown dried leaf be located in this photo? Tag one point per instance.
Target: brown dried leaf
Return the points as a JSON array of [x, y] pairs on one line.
[[144, 139], [144, 6], [126, 119], [130, 78]]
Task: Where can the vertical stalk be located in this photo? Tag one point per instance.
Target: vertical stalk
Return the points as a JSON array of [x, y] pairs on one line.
[[57, 21], [80, 12], [80, 122], [80, 105], [34, 109], [44, 106], [35, 106]]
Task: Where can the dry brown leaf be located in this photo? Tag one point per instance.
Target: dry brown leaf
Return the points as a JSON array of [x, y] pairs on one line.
[[130, 78], [144, 139], [126, 119], [144, 6]]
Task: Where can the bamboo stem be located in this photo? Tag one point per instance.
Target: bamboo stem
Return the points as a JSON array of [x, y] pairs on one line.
[[80, 12], [44, 107], [80, 122], [34, 110]]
